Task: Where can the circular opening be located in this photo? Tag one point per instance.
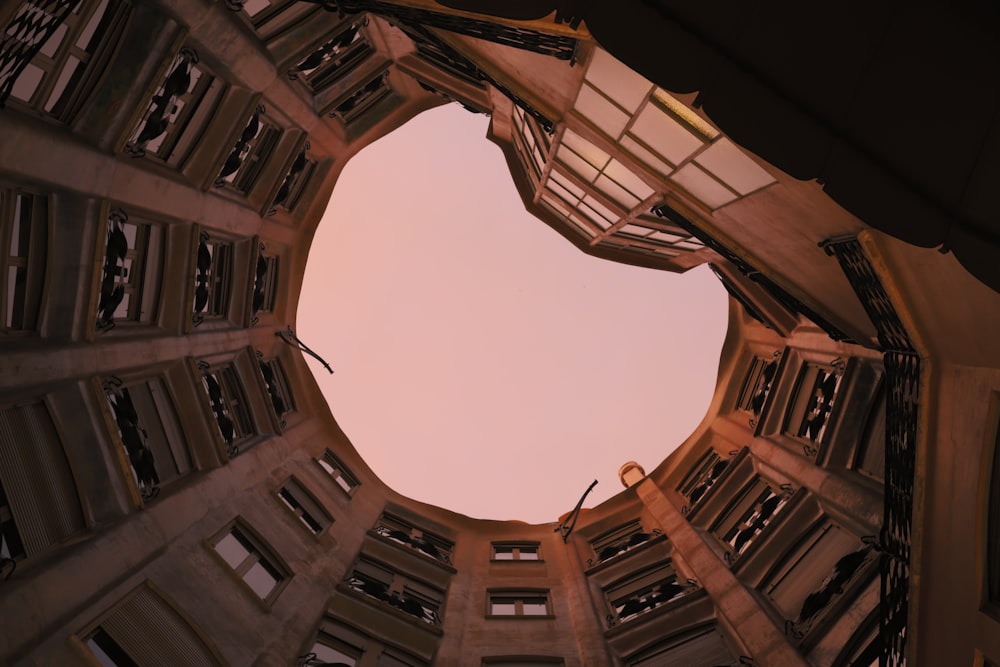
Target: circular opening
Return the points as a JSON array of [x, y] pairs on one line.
[[483, 363]]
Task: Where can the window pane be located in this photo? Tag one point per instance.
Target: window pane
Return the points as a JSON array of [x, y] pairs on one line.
[[535, 607], [261, 579], [231, 550], [503, 606]]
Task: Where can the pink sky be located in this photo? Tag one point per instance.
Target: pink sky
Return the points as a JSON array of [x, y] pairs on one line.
[[483, 363]]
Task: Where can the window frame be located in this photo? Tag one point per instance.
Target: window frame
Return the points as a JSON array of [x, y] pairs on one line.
[[136, 269], [233, 404], [62, 89], [342, 477], [518, 596], [157, 421], [517, 551], [398, 590], [258, 552], [642, 585], [22, 309], [159, 609], [214, 260], [303, 505]]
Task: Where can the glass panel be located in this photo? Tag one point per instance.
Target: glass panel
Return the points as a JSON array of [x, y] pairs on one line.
[[27, 82], [529, 553], [664, 135], [52, 44], [616, 192], [503, 606], [604, 211], [588, 151], [327, 654], [556, 177], [503, 553], [617, 81], [232, 550], [260, 580], [535, 607], [646, 156], [83, 41], [594, 216], [627, 179], [712, 193], [72, 65], [734, 167], [602, 112], [576, 164]]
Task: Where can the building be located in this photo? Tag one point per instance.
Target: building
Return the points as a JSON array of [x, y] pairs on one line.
[[176, 491]]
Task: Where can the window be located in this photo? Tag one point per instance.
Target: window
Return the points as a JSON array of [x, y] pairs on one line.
[[277, 387], [699, 648], [270, 18], [145, 629], [341, 54], [303, 505], [229, 404], [702, 477], [213, 278], [993, 530], [248, 156], [363, 98], [813, 401], [294, 183], [265, 285], [66, 68], [130, 278], [24, 235], [753, 510], [251, 561], [519, 603], [340, 644], [637, 594], [757, 385], [620, 540], [870, 456], [410, 596], [344, 478], [39, 505], [402, 532], [817, 571], [150, 433], [516, 551], [181, 107]]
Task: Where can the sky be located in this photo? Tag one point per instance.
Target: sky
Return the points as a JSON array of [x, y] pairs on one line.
[[482, 362]]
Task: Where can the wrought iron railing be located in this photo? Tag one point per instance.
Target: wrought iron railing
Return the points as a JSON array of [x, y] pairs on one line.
[[24, 36], [115, 272], [837, 584], [648, 599], [241, 151], [779, 294], [158, 117], [291, 183], [436, 549], [134, 438], [624, 545], [902, 372], [275, 391], [220, 408], [405, 603]]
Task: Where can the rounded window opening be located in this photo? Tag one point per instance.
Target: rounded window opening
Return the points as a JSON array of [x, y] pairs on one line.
[[483, 363]]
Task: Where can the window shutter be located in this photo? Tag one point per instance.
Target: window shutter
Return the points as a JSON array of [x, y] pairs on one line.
[[37, 478], [155, 635]]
